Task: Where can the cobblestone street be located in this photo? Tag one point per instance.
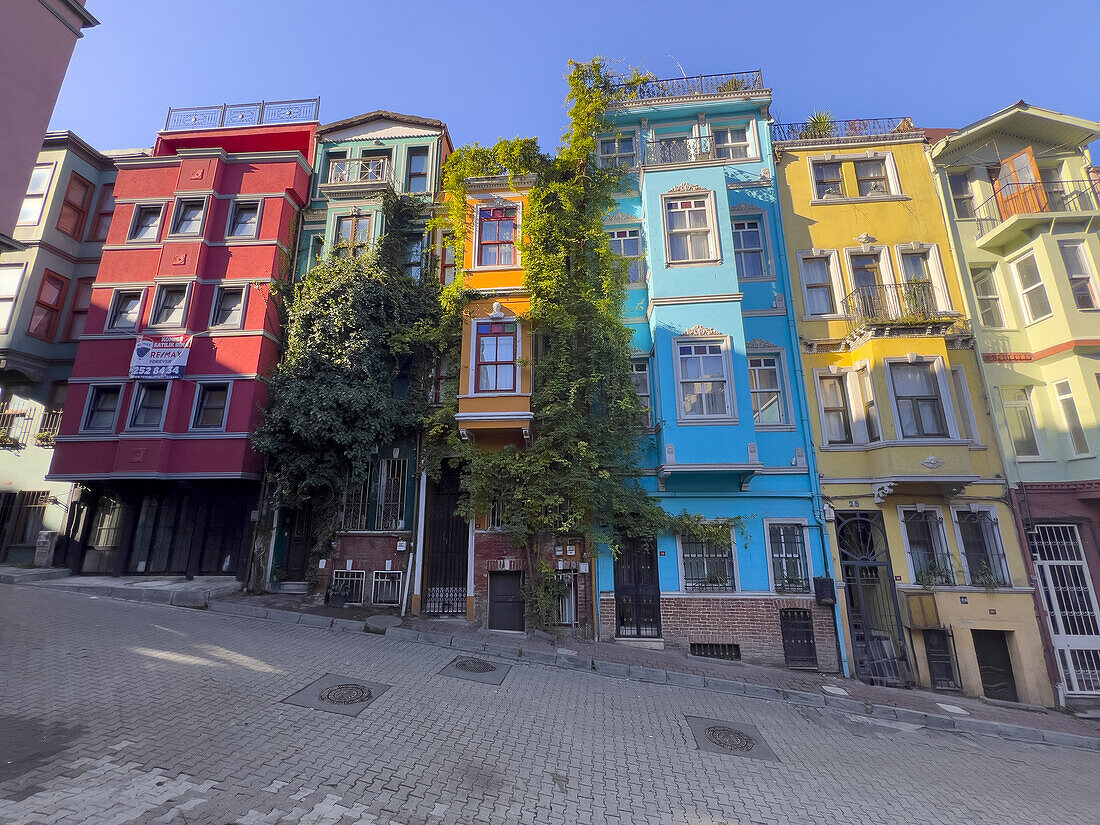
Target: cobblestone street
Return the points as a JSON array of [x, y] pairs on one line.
[[117, 712]]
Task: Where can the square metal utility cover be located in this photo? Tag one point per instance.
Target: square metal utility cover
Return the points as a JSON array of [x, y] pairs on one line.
[[729, 738], [346, 695], [477, 670]]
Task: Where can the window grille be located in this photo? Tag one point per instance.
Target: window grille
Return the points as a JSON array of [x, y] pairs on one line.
[[707, 566], [788, 551], [105, 525], [716, 651], [29, 515], [1055, 542], [356, 506], [391, 494], [927, 548], [981, 546], [350, 583], [567, 602], [387, 587], [496, 516]]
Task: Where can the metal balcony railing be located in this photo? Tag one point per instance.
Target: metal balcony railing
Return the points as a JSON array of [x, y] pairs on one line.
[[232, 115], [1036, 198], [894, 304], [705, 84], [48, 427], [359, 171], [883, 127], [678, 150]]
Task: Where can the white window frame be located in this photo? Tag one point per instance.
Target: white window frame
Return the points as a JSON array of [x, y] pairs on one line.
[[885, 265], [138, 209], [604, 161], [233, 206], [801, 522], [937, 511], [733, 561], [1028, 405], [728, 417], [43, 196], [960, 393], [221, 288], [835, 279], [893, 179], [855, 405], [472, 372], [995, 297], [940, 374], [380, 575], [113, 308], [21, 270], [643, 273], [199, 385], [992, 513], [158, 292], [785, 400], [173, 229], [1089, 278], [843, 376], [136, 393], [496, 203], [743, 214], [648, 398], [934, 265], [84, 428], [1062, 397], [1022, 292], [752, 143], [713, 244]]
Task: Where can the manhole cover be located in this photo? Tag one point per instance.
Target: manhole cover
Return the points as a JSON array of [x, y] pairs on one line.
[[345, 694], [474, 666], [730, 739]]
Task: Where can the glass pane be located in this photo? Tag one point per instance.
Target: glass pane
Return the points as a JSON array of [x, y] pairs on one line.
[[700, 249], [31, 210], [486, 378], [692, 398], [677, 220], [912, 379], [908, 418], [835, 427], [766, 408], [1072, 258], [914, 268], [488, 255], [815, 270], [1037, 304], [40, 180], [488, 350], [505, 349], [711, 365], [678, 248], [187, 221], [1028, 272], [697, 219], [505, 254], [505, 377], [229, 306], [750, 264], [715, 395], [244, 220]]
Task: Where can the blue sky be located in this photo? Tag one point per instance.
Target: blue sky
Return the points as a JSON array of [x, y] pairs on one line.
[[496, 69]]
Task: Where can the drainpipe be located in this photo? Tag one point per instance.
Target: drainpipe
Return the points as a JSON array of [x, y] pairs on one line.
[[804, 418], [419, 549]]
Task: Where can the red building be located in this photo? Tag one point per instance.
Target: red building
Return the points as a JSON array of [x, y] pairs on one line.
[[168, 481]]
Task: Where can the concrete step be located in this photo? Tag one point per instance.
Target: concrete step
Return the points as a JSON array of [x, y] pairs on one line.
[[22, 575], [290, 587]]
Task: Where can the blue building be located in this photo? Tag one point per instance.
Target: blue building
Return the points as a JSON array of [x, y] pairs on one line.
[[717, 369]]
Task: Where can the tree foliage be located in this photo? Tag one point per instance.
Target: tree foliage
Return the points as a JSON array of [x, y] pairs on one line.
[[361, 340]]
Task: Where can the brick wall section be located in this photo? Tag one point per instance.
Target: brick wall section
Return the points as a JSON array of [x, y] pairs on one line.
[[751, 623], [367, 552], [492, 547]]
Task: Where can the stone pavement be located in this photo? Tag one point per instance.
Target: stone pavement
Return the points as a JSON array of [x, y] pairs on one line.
[[677, 661], [129, 712]]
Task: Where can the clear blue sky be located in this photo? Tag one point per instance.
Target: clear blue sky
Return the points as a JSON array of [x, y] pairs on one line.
[[496, 69]]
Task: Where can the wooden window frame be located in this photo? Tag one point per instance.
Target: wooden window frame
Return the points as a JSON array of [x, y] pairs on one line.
[[54, 308], [507, 213], [79, 207], [95, 233], [478, 363]]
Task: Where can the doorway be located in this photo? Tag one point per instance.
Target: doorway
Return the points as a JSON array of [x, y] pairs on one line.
[[797, 628], [445, 548], [995, 665], [506, 603], [637, 591], [873, 615]]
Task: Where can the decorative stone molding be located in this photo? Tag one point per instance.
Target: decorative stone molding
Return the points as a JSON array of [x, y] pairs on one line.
[[685, 188], [700, 330], [882, 490], [616, 218], [866, 238], [760, 343], [932, 463]]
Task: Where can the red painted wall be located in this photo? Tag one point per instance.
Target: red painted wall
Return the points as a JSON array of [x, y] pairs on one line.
[[240, 355]]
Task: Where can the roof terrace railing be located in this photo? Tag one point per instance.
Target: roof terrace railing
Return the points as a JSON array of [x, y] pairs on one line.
[[1034, 198], [883, 127], [704, 84], [232, 115]]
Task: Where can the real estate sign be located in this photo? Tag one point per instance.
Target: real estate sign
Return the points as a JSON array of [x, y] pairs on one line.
[[160, 356]]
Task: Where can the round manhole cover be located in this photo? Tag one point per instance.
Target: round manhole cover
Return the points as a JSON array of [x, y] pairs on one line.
[[730, 739], [345, 694], [474, 666]]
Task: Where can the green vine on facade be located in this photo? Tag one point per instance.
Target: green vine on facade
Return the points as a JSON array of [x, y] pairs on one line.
[[580, 473], [362, 338]]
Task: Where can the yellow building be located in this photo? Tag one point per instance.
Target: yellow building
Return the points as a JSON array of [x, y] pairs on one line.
[[933, 587]]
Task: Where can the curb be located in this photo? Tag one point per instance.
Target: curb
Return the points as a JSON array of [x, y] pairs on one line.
[[196, 597]]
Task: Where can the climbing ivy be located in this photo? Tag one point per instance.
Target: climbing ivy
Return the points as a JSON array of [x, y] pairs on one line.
[[580, 474], [361, 340]]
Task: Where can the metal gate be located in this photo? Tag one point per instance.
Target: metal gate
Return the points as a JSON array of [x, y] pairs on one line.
[[1071, 605], [507, 606], [445, 550], [637, 591], [796, 625], [873, 616]]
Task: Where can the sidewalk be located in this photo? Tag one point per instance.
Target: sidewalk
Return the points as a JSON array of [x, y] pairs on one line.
[[177, 590], [676, 667]]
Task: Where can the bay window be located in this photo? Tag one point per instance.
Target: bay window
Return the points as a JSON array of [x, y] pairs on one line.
[[495, 352], [920, 406], [688, 230], [703, 380]]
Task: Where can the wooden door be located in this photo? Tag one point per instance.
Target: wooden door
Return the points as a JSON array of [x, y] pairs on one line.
[[1019, 187], [506, 603], [995, 665]]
